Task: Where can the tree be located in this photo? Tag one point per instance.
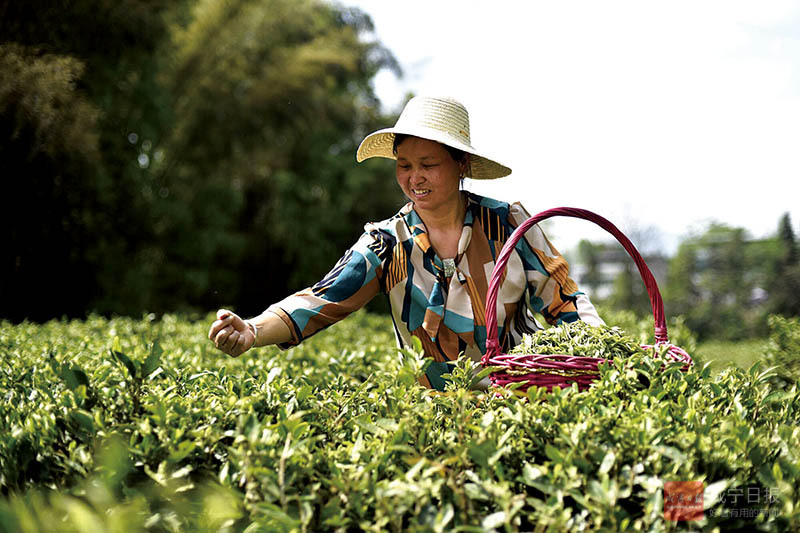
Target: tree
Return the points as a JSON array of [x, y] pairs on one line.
[[784, 283], [682, 292], [589, 255], [76, 79], [179, 155], [711, 281], [48, 141], [628, 292], [786, 236], [271, 99]]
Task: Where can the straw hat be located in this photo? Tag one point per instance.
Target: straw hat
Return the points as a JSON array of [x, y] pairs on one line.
[[438, 119]]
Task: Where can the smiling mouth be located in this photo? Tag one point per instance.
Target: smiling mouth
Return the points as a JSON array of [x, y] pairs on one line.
[[420, 192]]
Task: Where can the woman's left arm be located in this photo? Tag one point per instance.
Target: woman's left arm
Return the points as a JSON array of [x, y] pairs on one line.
[[553, 292]]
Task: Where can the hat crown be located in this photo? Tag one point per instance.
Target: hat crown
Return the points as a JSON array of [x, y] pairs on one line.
[[440, 114], [443, 120]]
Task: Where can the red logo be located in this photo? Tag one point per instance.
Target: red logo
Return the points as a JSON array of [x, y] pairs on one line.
[[683, 500]]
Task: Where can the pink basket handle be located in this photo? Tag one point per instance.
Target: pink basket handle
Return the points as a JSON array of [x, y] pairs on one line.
[[492, 342]]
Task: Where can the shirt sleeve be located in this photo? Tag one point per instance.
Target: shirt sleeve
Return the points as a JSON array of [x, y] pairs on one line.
[[353, 281], [551, 290]]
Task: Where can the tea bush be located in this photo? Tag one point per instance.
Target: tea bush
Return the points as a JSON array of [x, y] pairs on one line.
[[121, 425], [783, 349], [641, 328]]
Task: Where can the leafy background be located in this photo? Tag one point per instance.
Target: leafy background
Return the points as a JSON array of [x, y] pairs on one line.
[[160, 154]]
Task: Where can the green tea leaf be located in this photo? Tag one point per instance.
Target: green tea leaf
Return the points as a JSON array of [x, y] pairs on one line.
[[494, 520], [608, 462], [153, 359], [126, 362]]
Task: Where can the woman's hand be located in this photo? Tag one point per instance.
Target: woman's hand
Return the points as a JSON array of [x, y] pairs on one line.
[[231, 334]]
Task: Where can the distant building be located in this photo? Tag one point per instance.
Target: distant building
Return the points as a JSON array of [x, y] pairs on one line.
[[610, 260]]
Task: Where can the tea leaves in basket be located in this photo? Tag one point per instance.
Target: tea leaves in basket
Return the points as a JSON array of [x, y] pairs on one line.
[[579, 339]]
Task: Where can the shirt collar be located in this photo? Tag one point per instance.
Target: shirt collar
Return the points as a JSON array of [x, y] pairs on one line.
[[417, 227], [418, 232]]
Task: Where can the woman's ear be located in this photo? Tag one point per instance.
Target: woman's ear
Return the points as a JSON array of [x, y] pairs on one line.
[[464, 165]]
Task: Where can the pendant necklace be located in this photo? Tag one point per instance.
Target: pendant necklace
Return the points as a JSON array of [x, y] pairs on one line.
[[449, 267]]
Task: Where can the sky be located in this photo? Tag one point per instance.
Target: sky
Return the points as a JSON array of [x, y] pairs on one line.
[[660, 116]]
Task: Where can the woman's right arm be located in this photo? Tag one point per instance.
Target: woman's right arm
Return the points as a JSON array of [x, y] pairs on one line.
[[352, 282], [234, 336]]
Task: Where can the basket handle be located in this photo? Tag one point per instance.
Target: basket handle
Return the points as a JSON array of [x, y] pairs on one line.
[[492, 342]]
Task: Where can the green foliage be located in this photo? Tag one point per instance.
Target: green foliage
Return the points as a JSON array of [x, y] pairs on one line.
[[611, 275], [39, 98], [182, 155], [48, 143], [465, 374], [91, 29], [784, 282], [724, 283], [721, 354], [713, 279], [783, 349], [79, 221], [643, 328], [270, 99], [629, 292], [791, 254], [589, 254], [140, 424]]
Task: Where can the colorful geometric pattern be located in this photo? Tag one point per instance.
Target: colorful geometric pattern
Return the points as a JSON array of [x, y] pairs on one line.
[[395, 257]]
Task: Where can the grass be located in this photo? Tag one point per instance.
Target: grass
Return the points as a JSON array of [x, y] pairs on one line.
[[722, 354]]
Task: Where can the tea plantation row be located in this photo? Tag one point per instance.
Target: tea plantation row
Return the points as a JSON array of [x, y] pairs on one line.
[[139, 425]]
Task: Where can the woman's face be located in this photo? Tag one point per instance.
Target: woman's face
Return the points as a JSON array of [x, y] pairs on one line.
[[428, 174]]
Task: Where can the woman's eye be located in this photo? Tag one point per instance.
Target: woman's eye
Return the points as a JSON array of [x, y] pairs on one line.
[[429, 165]]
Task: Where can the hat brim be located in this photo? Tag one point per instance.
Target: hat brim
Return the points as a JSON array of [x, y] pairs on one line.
[[381, 144]]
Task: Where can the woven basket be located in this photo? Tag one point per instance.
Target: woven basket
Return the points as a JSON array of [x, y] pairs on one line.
[[563, 370]]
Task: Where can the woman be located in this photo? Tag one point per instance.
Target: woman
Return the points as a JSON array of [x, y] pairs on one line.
[[433, 259]]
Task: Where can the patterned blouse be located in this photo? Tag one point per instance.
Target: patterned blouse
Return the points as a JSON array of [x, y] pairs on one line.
[[394, 257]]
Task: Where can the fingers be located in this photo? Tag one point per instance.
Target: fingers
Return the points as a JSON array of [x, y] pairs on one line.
[[242, 345], [223, 321], [228, 333], [227, 340], [229, 343], [229, 317], [236, 344]]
